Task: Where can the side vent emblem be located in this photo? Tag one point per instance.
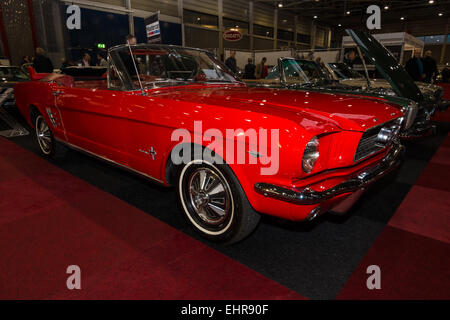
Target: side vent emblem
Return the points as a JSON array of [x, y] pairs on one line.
[[52, 117]]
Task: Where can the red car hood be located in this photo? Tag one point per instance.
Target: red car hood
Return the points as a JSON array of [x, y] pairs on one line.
[[347, 112]]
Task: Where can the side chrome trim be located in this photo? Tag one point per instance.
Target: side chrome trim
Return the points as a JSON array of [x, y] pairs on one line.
[[361, 179], [119, 165]]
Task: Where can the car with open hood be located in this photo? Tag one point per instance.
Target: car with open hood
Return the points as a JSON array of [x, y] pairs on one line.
[[398, 88], [342, 73], [178, 117]]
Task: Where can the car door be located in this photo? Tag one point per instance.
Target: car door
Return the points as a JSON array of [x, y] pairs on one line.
[[92, 119], [146, 138]]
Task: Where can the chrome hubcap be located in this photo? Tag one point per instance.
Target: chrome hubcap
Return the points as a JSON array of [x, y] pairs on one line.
[[43, 135], [209, 196]]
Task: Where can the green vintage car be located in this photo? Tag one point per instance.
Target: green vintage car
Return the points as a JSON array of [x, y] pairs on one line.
[[418, 106]]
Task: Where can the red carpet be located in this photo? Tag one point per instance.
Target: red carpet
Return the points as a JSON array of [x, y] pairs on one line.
[[442, 116], [50, 219], [413, 251], [412, 267]]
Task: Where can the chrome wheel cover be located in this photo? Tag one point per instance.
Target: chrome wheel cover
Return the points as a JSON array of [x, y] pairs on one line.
[[43, 135], [209, 196]]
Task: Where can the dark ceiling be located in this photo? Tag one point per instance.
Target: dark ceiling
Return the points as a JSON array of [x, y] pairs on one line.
[[334, 12]]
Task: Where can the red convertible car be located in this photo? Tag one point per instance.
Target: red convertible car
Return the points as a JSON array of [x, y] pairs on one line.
[[178, 116]]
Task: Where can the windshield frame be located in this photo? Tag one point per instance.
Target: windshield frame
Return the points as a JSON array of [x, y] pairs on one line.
[[342, 67], [127, 84], [308, 81]]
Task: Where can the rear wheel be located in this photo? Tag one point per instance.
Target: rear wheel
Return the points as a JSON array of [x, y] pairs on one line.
[[46, 141], [214, 203]]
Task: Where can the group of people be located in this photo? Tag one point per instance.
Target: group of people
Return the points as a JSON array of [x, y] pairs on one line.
[[42, 63], [422, 68], [251, 71]]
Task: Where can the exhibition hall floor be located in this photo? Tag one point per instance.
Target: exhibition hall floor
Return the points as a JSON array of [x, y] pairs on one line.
[[131, 242]]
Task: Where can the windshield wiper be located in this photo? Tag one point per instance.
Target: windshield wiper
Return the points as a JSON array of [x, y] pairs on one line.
[[219, 81], [167, 82]]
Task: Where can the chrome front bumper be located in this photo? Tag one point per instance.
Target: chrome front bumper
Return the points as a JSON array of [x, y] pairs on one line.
[[359, 181]]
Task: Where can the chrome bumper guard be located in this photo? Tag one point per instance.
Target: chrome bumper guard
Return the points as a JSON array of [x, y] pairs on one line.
[[361, 180]]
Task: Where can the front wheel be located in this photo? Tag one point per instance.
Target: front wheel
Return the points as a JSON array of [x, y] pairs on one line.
[[214, 203], [47, 144]]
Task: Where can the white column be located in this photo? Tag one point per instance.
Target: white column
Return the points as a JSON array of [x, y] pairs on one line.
[[130, 17], [250, 24], [220, 15], [275, 28], [180, 15]]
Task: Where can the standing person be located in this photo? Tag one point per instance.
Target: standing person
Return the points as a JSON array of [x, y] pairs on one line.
[[429, 67], [42, 64], [249, 71], [64, 64], [25, 60], [101, 61], [414, 67], [261, 69], [130, 39], [86, 61], [231, 61]]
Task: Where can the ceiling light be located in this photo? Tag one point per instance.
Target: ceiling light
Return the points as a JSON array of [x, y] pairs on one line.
[[440, 14], [386, 7], [339, 25], [348, 12], [431, 1], [315, 17], [280, 5], [402, 18]]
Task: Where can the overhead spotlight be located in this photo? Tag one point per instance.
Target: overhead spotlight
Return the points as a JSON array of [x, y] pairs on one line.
[[280, 5], [348, 12], [440, 14], [402, 18], [430, 1], [315, 17], [386, 7], [339, 25]]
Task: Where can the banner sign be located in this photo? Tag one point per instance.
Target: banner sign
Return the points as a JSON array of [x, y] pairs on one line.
[[153, 29]]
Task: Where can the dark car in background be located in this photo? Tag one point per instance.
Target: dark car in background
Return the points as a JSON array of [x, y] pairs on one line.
[[9, 76]]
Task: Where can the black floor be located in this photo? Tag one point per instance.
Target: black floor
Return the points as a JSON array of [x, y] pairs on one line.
[[314, 259]]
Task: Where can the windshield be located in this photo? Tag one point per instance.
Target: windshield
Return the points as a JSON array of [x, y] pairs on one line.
[[343, 71], [12, 74], [166, 66]]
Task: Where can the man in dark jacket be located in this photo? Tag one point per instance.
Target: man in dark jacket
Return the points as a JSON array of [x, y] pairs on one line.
[[414, 67], [231, 61], [42, 64], [429, 67], [250, 68]]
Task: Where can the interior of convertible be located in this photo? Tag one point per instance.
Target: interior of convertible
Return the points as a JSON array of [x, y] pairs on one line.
[[131, 68]]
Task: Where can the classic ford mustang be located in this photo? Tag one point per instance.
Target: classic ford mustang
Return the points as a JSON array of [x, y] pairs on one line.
[[177, 116]]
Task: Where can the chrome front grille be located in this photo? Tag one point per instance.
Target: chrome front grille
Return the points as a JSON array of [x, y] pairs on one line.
[[370, 140]]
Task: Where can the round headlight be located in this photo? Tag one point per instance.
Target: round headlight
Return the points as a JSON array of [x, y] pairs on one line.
[[310, 155]]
